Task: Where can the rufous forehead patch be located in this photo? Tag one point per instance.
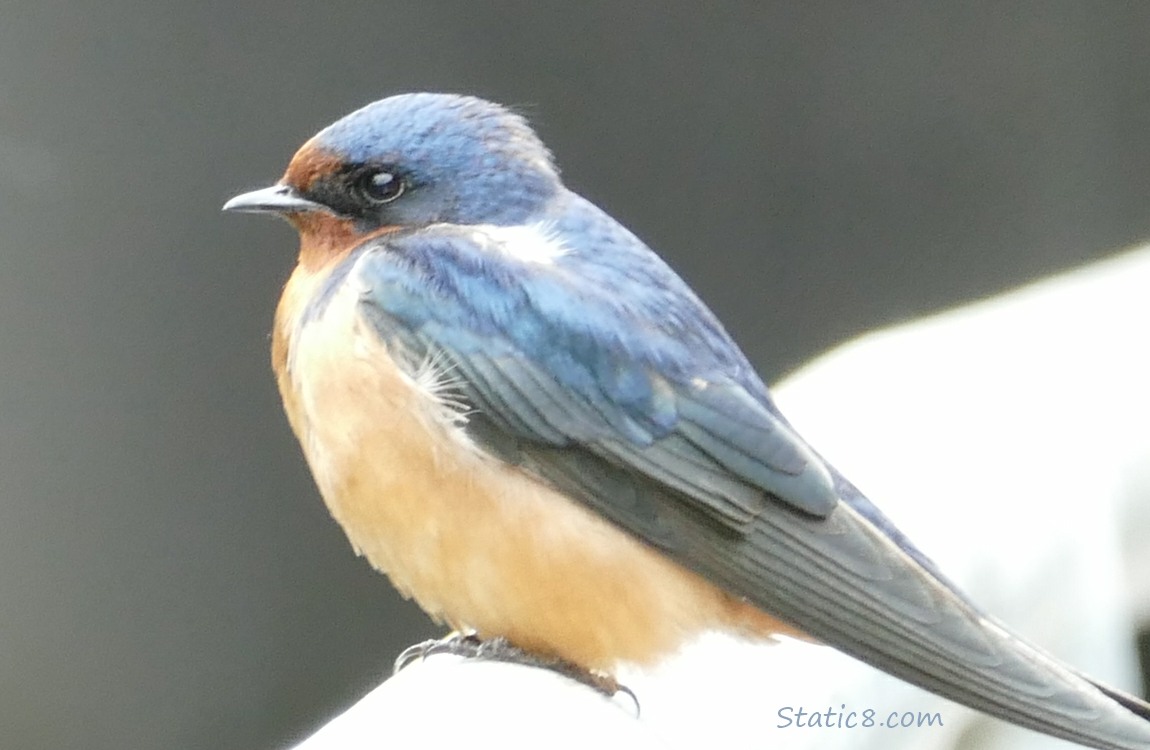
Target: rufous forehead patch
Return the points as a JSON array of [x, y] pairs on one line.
[[309, 164]]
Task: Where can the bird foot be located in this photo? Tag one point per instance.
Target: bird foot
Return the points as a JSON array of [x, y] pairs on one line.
[[470, 646]]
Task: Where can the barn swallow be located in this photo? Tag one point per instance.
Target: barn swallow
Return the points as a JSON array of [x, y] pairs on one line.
[[518, 411]]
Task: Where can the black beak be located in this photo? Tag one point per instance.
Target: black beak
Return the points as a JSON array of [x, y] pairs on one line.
[[277, 199]]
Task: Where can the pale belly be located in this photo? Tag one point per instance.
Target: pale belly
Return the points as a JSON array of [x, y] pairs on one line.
[[475, 542]]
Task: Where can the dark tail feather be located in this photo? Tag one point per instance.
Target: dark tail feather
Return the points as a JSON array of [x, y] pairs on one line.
[[1133, 704]]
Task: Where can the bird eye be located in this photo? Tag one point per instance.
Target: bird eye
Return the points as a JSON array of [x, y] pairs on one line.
[[380, 186]]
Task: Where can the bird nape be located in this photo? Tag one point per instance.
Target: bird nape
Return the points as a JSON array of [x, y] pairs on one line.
[[518, 411]]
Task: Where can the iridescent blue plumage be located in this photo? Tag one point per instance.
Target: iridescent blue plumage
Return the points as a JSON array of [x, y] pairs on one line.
[[437, 140], [604, 348]]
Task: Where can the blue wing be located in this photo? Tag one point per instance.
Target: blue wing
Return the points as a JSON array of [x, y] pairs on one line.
[[606, 378], [555, 356]]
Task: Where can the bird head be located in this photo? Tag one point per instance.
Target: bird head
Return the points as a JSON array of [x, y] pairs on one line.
[[410, 161]]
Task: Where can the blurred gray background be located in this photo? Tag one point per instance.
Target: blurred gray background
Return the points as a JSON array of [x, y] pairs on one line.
[[168, 574]]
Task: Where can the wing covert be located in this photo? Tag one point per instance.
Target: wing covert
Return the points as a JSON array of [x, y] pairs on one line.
[[549, 357]]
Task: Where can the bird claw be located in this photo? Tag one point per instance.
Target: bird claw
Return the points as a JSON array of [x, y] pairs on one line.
[[466, 645], [470, 646]]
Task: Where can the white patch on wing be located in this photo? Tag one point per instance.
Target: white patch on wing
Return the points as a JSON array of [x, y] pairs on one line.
[[531, 243], [436, 379]]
